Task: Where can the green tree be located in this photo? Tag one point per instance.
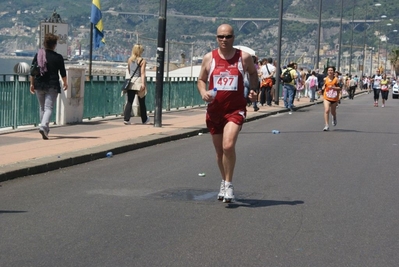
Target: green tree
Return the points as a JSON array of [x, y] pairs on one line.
[[394, 59]]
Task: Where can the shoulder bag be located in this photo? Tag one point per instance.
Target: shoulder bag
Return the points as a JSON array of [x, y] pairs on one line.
[[34, 69], [126, 84]]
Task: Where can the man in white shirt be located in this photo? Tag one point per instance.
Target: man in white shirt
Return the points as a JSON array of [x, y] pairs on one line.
[[268, 73]]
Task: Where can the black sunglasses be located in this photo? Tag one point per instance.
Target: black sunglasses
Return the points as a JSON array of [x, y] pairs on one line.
[[224, 36]]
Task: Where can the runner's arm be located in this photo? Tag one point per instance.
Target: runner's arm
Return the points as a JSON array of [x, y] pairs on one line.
[[203, 77]]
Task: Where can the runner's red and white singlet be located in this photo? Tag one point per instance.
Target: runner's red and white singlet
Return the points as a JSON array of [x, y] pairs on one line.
[[228, 77]]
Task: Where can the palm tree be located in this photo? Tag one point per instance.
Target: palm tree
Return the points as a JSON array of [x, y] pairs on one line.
[[394, 59]]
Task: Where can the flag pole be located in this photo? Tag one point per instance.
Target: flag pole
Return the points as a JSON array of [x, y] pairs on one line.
[[91, 48]]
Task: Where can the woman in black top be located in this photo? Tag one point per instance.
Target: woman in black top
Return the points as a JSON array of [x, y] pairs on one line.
[[47, 86]]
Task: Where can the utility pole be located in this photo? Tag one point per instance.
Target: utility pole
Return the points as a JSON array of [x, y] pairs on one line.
[[160, 63], [278, 67], [350, 54], [340, 38], [318, 36]]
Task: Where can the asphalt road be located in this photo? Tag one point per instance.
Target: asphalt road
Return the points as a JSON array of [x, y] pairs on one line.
[[304, 198]]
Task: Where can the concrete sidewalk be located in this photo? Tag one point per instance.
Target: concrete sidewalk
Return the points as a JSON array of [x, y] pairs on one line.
[[25, 152]]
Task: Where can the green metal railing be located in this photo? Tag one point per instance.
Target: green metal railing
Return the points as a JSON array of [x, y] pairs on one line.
[[18, 107], [102, 98]]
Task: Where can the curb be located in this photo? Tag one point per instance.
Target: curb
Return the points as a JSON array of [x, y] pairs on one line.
[[82, 156], [47, 164]]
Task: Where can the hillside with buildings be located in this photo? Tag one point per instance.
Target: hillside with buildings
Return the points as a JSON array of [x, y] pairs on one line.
[[191, 27]]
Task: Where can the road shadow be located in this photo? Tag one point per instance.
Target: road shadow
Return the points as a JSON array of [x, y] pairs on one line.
[[12, 211], [89, 123], [259, 203], [71, 137]]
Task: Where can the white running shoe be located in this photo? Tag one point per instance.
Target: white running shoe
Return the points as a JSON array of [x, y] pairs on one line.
[[147, 121], [229, 194], [334, 121], [221, 191], [326, 128]]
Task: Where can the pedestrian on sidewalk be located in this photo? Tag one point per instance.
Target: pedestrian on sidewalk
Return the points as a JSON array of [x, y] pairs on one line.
[[320, 81], [300, 83], [356, 81], [365, 83], [341, 83], [268, 71], [224, 68], [312, 84], [275, 92], [352, 87], [289, 86], [136, 66], [247, 85], [331, 96], [46, 85], [307, 91]]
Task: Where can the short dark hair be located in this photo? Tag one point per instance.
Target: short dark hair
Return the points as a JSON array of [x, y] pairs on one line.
[[50, 41], [333, 67]]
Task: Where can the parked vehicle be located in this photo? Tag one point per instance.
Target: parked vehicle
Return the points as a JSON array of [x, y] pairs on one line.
[[395, 91]]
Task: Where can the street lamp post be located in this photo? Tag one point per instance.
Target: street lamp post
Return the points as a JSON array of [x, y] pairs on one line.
[[350, 54], [371, 60], [160, 63], [340, 38], [365, 36], [278, 67], [386, 54], [318, 36], [378, 51], [386, 49]]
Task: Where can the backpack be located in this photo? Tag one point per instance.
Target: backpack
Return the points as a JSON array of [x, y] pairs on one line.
[[287, 76], [312, 83]]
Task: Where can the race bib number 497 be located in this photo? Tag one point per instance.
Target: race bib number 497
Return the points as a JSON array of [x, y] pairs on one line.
[[226, 83]]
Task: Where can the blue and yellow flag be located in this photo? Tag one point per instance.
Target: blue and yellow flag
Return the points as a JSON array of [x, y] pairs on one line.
[[96, 19]]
